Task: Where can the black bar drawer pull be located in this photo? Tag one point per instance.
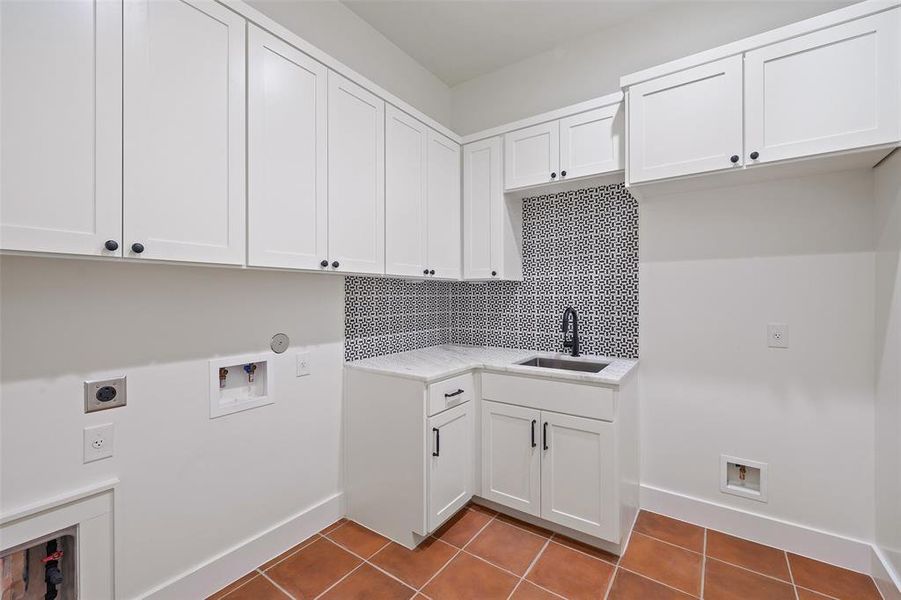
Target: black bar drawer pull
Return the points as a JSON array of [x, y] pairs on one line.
[[437, 449], [533, 433], [452, 394], [544, 435]]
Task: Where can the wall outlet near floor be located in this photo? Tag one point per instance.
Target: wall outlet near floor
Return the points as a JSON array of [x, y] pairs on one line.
[[98, 442], [743, 477], [777, 335], [303, 364]]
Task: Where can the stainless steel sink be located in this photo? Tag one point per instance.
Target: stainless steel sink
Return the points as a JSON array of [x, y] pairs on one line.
[[585, 366]]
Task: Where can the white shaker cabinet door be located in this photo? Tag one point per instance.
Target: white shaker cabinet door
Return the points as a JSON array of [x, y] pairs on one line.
[[686, 123], [578, 476], [532, 156], [511, 457], [443, 193], [356, 177], [483, 198], [184, 127], [450, 458], [831, 90], [591, 142], [287, 155], [61, 124], [405, 194]]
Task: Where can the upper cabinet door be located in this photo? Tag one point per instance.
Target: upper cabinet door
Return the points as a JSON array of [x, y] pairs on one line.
[[356, 168], [578, 479], [287, 155], [405, 194], [443, 207], [482, 192], [685, 123], [184, 131], [591, 142], [60, 118], [532, 156], [831, 90]]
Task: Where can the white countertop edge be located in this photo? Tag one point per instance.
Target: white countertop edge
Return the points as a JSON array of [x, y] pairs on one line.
[[405, 365]]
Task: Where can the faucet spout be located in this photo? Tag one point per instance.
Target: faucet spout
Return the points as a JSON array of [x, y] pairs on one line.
[[570, 316]]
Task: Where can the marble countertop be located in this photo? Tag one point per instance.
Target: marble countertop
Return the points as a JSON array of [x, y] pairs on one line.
[[439, 362]]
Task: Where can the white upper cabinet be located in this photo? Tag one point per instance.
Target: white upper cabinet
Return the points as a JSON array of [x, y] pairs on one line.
[[60, 118], [482, 190], [688, 122], [443, 193], [184, 123], [356, 177], [831, 90], [406, 172], [287, 155], [591, 142], [532, 156]]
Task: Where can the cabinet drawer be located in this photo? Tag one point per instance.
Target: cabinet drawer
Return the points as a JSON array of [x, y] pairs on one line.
[[589, 401], [450, 392]]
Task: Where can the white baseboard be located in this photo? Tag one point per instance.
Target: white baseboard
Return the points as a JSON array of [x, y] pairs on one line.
[[831, 548], [887, 579], [219, 571]]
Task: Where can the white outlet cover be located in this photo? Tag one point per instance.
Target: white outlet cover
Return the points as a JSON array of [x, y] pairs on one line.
[[777, 335], [98, 442], [303, 364]]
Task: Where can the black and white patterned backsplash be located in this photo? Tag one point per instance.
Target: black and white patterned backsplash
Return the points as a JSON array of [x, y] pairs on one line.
[[580, 249]]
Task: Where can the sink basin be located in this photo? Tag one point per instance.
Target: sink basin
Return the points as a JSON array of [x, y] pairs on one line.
[[585, 366]]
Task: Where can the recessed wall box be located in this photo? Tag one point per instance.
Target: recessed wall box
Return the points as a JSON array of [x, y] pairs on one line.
[[742, 477], [240, 383]]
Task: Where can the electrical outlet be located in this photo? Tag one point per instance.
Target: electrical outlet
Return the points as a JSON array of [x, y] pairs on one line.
[[98, 442], [777, 335], [303, 364]]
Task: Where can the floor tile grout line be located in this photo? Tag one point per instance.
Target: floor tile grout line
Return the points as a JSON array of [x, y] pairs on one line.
[[272, 581], [585, 553], [345, 576], [703, 565], [824, 595], [647, 535], [301, 545], [456, 554], [371, 564], [230, 592], [610, 583], [750, 570], [522, 578], [791, 575], [666, 585]]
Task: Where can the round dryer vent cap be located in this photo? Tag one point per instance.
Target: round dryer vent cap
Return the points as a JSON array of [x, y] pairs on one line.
[[279, 343]]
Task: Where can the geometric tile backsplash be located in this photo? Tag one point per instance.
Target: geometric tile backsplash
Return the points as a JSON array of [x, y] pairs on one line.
[[580, 249]]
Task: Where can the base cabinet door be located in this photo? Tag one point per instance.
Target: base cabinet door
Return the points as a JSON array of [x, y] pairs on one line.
[[61, 127], [450, 463], [184, 131], [686, 123], [824, 92], [578, 474], [287, 208], [511, 458], [356, 177]]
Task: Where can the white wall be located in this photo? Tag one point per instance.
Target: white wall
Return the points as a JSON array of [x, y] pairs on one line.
[[191, 487], [715, 267], [591, 66], [888, 359], [336, 30]]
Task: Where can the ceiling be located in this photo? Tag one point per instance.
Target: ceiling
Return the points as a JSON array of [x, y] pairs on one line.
[[459, 40]]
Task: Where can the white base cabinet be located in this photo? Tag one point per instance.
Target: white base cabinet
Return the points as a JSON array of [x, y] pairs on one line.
[[450, 463]]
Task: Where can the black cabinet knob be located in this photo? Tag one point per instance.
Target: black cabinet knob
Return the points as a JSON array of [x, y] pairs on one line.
[[734, 158], [111, 245], [431, 271], [137, 248], [562, 173], [494, 273], [553, 176], [754, 155], [335, 264], [425, 271], [324, 263]]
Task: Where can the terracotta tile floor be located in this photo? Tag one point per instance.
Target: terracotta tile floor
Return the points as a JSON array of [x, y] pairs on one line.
[[479, 554]]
